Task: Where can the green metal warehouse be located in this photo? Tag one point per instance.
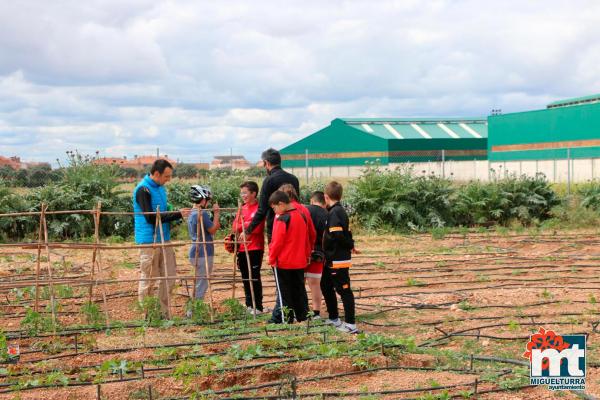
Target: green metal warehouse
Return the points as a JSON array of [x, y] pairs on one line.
[[354, 141], [565, 129]]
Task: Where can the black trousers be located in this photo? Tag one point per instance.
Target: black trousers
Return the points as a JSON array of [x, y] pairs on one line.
[[338, 280], [293, 293], [256, 257]]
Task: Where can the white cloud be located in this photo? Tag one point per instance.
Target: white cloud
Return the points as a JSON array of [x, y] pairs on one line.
[[198, 78]]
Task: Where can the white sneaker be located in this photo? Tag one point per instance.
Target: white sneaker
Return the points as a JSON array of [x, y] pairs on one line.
[[335, 322], [347, 328], [316, 317], [254, 312]]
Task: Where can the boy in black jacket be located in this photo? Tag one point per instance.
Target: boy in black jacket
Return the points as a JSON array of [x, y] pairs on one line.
[[337, 246]]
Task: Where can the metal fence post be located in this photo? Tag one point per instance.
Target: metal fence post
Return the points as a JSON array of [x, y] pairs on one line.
[[306, 164], [443, 163], [568, 171], [520, 167]]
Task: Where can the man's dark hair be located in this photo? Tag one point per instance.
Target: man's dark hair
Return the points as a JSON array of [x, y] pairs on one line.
[[334, 190], [279, 197], [289, 189], [318, 196], [271, 155], [160, 166], [250, 185]]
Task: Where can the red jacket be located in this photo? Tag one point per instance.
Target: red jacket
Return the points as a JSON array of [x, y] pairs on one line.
[[312, 232], [257, 237], [290, 244]]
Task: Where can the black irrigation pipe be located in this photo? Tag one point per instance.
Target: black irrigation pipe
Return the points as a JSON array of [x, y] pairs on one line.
[[238, 368], [334, 376], [145, 370], [495, 267], [440, 322], [208, 342], [447, 335], [195, 356], [499, 286], [68, 331], [435, 342], [425, 284]]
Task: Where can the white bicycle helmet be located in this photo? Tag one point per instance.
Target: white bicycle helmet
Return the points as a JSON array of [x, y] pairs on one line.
[[199, 192]]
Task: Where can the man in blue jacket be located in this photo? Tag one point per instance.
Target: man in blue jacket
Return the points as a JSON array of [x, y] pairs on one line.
[[148, 196]]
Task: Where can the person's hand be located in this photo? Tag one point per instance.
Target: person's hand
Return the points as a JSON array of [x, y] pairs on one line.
[[216, 207], [185, 212], [354, 251]]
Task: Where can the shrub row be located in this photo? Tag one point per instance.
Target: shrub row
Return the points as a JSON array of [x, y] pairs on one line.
[[378, 199]]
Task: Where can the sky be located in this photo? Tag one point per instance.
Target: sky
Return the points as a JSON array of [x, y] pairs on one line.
[[201, 78]]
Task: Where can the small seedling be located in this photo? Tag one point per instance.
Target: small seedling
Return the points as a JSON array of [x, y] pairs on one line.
[[414, 282]]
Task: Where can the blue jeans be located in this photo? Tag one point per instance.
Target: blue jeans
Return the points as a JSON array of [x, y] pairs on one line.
[[202, 284]]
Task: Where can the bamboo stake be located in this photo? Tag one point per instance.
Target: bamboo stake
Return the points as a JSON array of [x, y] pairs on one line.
[[39, 256], [49, 266], [164, 256], [97, 258], [95, 251], [235, 255], [210, 296], [250, 282]]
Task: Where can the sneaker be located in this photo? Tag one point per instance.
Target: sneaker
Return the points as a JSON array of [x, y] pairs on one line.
[[188, 314], [347, 328], [254, 312], [335, 322], [316, 317]]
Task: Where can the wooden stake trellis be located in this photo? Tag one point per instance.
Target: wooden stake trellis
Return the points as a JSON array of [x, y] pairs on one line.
[[97, 246]]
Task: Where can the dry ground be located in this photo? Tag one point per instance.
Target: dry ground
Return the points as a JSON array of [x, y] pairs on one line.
[[480, 294]]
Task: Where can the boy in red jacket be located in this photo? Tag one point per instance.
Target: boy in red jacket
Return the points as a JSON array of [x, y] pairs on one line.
[[289, 252]]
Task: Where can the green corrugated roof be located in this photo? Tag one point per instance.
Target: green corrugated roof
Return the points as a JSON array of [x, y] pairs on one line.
[[575, 101], [420, 128]]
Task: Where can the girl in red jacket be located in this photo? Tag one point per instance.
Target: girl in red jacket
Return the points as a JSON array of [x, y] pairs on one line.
[[289, 252], [248, 193]]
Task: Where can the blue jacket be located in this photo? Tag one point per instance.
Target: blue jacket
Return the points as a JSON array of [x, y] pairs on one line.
[[144, 231]]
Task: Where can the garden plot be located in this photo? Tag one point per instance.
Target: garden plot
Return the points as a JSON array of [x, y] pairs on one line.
[[441, 318]]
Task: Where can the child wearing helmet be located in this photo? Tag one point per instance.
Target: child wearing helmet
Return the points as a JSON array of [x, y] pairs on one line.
[[202, 254]]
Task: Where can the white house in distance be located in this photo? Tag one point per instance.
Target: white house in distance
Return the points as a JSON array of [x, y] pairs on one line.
[[230, 162]]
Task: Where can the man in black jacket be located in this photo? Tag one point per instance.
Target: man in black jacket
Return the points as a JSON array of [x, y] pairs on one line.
[[275, 178]]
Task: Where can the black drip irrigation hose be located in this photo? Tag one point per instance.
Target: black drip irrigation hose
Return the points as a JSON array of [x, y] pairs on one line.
[[167, 368], [263, 331]]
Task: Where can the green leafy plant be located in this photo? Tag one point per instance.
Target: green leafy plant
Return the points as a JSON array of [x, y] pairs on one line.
[[93, 315], [3, 346], [198, 311], [150, 307], [233, 309], [33, 322]]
